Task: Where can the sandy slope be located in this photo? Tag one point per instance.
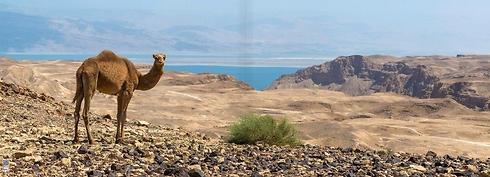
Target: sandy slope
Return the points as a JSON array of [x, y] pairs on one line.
[[323, 117]]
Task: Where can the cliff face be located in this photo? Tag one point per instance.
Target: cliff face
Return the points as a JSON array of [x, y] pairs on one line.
[[413, 76]]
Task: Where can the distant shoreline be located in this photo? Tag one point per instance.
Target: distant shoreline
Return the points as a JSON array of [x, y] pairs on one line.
[[184, 60]]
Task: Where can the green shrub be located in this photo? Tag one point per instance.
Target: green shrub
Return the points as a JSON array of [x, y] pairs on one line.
[[252, 128]]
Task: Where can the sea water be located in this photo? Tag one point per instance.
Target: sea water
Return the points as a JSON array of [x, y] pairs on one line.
[[259, 72]]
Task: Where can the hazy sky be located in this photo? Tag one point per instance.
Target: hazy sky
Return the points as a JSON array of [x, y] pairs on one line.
[[421, 26], [387, 12], [365, 10]]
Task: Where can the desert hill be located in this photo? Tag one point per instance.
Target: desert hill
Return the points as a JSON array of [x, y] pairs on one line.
[[208, 103], [464, 78], [383, 134], [37, 130]]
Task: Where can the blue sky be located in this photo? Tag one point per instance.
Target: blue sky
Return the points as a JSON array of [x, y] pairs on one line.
[[416, 27]]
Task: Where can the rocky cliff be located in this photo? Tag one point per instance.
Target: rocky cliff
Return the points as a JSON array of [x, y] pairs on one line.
[[465, 79]]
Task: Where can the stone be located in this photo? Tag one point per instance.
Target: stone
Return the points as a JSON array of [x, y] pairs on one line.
[[21, 154], [15, 139], [196, 173], [94, 173], [83, 149], [418, 168], [60, 154], [431, 154], [471, 168], [35, 159], [485, 173], [66, 162], [107, 116], [138, 144], [142, 123], [14, 88], [196, 166], [115, 155]]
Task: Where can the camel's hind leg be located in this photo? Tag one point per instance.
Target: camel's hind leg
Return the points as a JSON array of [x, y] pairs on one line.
[[89, 86], [78, 98], [77, 117], [123, 100]]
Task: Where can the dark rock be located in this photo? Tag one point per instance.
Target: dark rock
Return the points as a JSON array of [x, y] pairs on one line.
[[348, 149], [116, 167], [441, 163], [357, 162], [36, 169], [224, 167], [196, 173], [181, 172], [454, 165], [127, 171], [415, 159], [125, 150], [441, 170], [431, 154], [60, 154], [141, 152], [212, 160], [256, 174], [449, 157], [107, 116], [392, 160], [194, 162], [463, 173], [94, 173], [159, 159], [87, 162], [74, 166], [127, 156], [170, 146], [83, 149], [14, 88], [213, 154]]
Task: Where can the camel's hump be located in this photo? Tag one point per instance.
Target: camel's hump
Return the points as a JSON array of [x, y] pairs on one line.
[[106, 53]]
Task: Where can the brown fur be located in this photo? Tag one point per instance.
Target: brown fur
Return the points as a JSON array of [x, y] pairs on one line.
[[114, 75]]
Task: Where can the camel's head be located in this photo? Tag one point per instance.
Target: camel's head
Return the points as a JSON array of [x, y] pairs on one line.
[[159, 59]]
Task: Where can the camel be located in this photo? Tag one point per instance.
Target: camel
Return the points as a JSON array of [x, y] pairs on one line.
[[115, 75]]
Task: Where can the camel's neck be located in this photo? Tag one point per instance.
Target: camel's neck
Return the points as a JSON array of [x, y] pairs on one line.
[[150, 79]]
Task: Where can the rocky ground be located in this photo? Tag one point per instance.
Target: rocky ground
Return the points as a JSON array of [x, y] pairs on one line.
[[36, 133]]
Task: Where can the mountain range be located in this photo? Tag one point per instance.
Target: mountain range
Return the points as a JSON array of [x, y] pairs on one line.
[[463, 78], [138, 31]]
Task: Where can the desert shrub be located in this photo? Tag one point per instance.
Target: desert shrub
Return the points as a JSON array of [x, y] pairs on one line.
[[252, 128]]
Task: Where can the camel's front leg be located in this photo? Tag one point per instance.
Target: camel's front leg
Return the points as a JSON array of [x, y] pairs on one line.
[[88, 89], [122, 105], [85, 120]]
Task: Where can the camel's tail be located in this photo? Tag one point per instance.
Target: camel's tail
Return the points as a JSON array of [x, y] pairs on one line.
[[79, 92]]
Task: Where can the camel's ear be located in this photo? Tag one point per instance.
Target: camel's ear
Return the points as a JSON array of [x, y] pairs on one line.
[[154, 56]]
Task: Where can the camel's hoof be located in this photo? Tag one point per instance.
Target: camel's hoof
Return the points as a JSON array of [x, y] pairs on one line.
[[93, 142], [76, 141]]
